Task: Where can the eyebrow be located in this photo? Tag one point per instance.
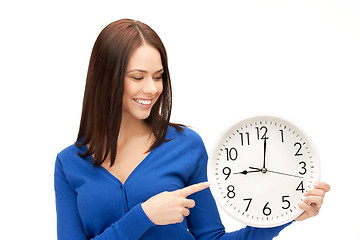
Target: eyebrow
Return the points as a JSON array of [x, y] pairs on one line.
[[143, 71]]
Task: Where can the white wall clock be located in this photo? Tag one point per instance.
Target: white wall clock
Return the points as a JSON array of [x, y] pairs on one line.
[[261, 168]]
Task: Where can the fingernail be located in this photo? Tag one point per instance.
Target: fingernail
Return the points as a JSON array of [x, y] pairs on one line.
[[207, 184], [316, 185]]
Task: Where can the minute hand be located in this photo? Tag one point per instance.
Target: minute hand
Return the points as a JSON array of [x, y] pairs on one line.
[[264, 152], [278, 172]]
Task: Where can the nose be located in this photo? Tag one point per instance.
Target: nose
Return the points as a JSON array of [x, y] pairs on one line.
[[150, 87]]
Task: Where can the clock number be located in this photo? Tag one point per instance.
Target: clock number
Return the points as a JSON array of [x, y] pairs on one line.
[[297, 153], [231, 193], [227, 172], [303, 167], [286, 201], [231, 154], [248, 199], [301, 187], [258, 132], [282, 135], [266, 210], [242, 138]]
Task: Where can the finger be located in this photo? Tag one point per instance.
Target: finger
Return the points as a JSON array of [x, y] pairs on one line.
[[193, 189], [315, 192], [185, 212], [323, 186], [318, 201], [179, 219], [309, 210], [302, 217], [189, 203]]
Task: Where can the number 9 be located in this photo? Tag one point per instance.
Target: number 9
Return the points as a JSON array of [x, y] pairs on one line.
[[227, 172]]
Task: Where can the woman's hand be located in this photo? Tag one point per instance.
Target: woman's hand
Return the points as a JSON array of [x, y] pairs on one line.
[[171, 207], [313, 201]]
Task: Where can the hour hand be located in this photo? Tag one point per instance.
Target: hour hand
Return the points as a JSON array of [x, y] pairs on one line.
[[246, 172]]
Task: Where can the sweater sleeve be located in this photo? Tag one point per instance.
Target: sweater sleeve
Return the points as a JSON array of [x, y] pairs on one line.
[[69, 225], [204, 220]]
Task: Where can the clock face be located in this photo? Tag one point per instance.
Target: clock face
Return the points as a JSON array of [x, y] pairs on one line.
[[260, 169]]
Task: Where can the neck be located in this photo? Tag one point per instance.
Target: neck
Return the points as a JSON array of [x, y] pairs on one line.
[[133, 128]]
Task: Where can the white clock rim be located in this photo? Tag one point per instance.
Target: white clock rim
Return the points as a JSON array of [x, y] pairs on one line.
[[218, 143]]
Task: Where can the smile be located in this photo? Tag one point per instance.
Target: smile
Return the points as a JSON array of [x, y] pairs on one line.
[[143, 101]]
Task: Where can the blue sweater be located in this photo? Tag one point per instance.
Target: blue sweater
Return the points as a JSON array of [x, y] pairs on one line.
[[91, 203]]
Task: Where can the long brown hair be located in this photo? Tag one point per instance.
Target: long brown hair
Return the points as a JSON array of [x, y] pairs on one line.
[[103, 97]]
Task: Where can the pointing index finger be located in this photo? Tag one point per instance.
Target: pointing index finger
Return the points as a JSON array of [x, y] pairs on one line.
[[187, 191]]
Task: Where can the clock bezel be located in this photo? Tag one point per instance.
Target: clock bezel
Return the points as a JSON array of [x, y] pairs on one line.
[[220, 141]]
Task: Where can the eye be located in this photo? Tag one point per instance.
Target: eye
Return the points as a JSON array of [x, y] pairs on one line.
[[159, 77], [137, 78]]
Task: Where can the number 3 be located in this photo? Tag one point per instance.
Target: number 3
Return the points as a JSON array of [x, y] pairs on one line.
[[303, 167]]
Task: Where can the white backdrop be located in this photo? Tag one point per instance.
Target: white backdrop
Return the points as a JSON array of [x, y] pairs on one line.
[[293, 58]]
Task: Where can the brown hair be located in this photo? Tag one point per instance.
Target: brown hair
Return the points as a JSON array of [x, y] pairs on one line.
[[103, 97]]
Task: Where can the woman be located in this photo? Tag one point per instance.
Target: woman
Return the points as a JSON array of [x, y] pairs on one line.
[[131, 174]]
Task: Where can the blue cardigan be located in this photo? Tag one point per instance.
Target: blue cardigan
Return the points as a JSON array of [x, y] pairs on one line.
[[91, 203]]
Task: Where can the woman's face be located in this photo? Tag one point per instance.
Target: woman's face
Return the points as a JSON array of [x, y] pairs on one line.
[[143, 82]]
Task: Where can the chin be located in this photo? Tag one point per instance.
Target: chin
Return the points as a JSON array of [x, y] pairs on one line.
[[138, 114], [142, 116]]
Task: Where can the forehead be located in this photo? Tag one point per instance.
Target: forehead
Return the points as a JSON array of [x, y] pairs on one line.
[[146, 58]]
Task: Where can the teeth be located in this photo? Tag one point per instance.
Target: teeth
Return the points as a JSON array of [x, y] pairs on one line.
[[141, 101]]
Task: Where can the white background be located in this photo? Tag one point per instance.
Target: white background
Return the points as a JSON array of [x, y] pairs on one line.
[[296, 59]]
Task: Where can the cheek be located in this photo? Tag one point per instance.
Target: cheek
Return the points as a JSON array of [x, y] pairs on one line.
[[160, 88], [130, 88]]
